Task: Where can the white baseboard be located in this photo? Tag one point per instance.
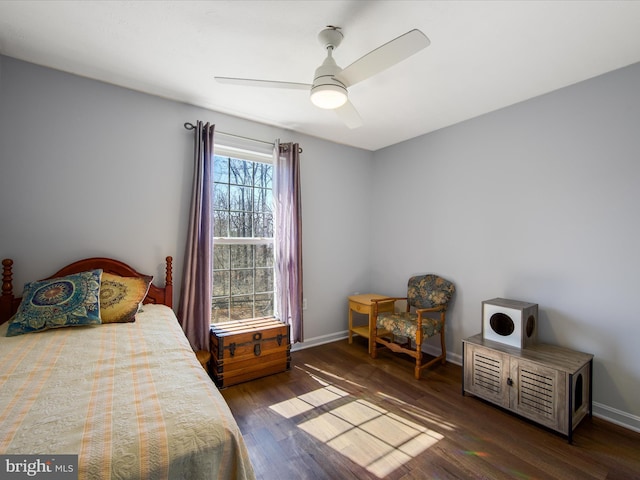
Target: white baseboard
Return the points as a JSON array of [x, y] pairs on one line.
[[321, 340], [609, 414], [613, 415]]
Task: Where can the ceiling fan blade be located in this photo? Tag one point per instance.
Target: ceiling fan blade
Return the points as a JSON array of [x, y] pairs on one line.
[[384, 57], [248, 82], [349, 115]]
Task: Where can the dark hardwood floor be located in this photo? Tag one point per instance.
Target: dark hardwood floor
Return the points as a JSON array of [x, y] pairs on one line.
[[338, 414]]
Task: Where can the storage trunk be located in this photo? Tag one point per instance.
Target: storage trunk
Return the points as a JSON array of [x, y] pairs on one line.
[[243, 350]]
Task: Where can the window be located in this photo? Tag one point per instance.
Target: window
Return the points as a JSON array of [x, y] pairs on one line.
[[243, 275]]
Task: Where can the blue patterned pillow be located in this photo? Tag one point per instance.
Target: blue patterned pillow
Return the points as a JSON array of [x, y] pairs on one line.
[[58, 302]]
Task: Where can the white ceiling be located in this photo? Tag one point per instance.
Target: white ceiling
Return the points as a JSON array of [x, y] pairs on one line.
[[484, 55]]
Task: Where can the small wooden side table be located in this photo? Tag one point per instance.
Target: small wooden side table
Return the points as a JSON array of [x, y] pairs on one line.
[[363, 304]]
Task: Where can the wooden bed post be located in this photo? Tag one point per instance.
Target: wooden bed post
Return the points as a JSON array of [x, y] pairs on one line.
[[6, 299], [168, 284]]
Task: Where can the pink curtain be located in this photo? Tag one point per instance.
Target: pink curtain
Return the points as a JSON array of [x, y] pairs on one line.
[[288, 237], [194, 312]]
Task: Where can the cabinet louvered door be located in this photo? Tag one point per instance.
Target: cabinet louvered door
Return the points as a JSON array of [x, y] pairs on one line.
[[536, 391], [486, 373]]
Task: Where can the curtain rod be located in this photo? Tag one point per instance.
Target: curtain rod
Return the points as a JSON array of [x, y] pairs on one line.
[[191, 126]]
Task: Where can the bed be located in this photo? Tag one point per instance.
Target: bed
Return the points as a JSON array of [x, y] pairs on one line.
[[129, 397]]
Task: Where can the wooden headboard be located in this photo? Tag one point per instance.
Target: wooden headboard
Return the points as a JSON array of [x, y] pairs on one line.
[[160, 295]]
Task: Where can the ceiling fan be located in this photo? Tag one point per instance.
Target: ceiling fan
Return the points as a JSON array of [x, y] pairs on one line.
[[330, 82]]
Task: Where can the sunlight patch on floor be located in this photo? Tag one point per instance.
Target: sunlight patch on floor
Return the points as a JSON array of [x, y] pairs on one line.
[[370, 436], [367, 434], [304, 403]]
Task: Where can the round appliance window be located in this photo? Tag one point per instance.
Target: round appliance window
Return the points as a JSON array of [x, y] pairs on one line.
[[501, 324], [531, 325]]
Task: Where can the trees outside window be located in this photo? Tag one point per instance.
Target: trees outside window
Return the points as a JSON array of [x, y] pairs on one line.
[[243, 285]]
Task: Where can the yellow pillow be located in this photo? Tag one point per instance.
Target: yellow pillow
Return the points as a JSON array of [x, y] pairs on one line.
[[121, 297]]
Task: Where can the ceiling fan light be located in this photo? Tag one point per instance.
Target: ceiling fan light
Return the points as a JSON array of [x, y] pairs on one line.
[[328, 96]]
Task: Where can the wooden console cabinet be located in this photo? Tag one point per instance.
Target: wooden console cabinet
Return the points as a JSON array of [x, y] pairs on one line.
[[547, 384]]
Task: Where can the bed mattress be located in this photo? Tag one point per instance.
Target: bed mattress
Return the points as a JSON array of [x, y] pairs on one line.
[[130, 399]]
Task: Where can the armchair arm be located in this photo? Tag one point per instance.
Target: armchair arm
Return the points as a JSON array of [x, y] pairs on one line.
[[439, 308], [388, 299], [384, 300]]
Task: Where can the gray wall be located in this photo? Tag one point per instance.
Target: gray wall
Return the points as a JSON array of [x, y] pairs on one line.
[[91, 169], [536, 202]]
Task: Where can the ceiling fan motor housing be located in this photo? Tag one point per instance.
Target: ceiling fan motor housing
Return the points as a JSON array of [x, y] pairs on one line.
[[324, 83]]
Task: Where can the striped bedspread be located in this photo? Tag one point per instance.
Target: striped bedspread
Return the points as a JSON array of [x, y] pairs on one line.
[[129, 399]]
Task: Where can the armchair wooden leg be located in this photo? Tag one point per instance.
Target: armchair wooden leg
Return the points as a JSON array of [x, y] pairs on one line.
[[418, 360], [443, 347]]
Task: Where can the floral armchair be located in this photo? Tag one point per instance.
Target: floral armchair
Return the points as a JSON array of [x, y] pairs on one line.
[[427, 297]]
